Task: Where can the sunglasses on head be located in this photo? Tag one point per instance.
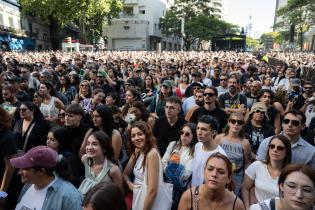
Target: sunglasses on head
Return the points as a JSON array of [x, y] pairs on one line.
[[293, 122], [239, 122], [279, 148], [187, 134]]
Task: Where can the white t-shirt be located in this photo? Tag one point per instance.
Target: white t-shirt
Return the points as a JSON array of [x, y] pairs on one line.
[[266, 187], [33, 199], [258, 207], [199, 161]]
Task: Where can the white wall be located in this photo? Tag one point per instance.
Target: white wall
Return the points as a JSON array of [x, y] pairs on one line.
[[9, 11]]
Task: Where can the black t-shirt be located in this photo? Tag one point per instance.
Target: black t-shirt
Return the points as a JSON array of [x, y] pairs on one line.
[[257, 135], [165, 133], [300, 101], [7, 147], [215, 81], [217, 113], [272, 113], [227, 101]]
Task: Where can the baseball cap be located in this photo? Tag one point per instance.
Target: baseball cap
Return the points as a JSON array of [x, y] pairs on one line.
[[167, 83], [101, 73], [41, 156], [295, 81]]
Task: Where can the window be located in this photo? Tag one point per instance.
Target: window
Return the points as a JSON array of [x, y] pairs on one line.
[[1, 20], [128, 11], [11, 23], [142, 10], [45, 36], [126, 27]]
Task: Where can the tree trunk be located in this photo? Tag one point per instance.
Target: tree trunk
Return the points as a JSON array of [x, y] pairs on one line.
[[55, 38], [301, 38]]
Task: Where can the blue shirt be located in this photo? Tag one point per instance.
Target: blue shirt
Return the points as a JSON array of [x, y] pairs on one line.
[[302, 152], [61, 195]]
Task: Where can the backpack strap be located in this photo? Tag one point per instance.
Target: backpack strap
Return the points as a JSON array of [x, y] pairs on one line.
[[273, 204]]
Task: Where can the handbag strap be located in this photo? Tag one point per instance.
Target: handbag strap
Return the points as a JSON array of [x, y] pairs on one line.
[[28, 135], [160, 171]]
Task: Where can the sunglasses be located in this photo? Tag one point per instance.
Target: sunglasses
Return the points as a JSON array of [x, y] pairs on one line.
[[223, 79], [186, 134], [293, 122], [279, 148], [22, 109], [23, 72], [209, 94], [308, 88], [36, 96], [84, 85], [164, 86], [239, 122], [258, 111]]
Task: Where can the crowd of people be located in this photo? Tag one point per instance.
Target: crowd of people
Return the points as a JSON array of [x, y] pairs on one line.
[[146, 130]]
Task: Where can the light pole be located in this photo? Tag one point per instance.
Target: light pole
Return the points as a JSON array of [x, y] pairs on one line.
[[182, 30]]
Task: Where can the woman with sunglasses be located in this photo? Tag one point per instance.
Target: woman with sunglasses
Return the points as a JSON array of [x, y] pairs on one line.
[[264, 175], [296, 190], [66, 88], [236, 146], [216, 191], [257, 127], [85, 91], [178, 157], [89, 104]]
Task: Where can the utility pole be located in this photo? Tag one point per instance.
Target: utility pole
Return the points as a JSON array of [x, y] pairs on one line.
[[182, 30]]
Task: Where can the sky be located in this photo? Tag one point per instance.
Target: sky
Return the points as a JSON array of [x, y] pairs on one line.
[[261, 11]]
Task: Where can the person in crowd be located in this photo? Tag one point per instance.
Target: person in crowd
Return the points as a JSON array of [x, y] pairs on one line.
[[104, 195], [43, 188], [280, 101], [267, 83], [37, 99], [207, 128], [50, 105], [148, 90], [85, 91], [216, 190], [293, 123], [296, 190], [11, 103], [166, 129], [182, 85], [223, 87], [7, 151], [263, 175], [69, 164], [199, 101], [257, 128], [112, 100], [33, 83], [253, 93], [210, 107], [190, 100], [104, 82], [206, 81], [31, 130], [138, 109], [177, 161], [131, 96], [277, 78], [274, 117], [304, 99], [75, 126], [103, 121], [216, 78], [236, 146], [233, 101], [144, 159], [99, 163], [66, 88], [89, 104], [157, 106]]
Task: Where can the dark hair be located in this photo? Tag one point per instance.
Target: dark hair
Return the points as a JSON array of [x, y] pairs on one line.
[[32, 107], [67, 79], [61, 134], [150, 141], [174, 99], [5, 119], [97, 90], [215, 90], [187, 76], [105, 195], [193, 129], [208, 119], [75, 109], [10, 88], [144, 112], [287, 146], [242, 131], [135, 93], [296, 113], [263, 91], [108, 123], [228, 164], [115, 98], [306, 170], [106, 144], [51, 88]]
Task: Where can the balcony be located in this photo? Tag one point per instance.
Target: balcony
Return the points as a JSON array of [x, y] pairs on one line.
[[10, 30], [130, 2]]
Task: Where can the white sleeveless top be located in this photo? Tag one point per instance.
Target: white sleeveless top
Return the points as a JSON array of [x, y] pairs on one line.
[[138, 171], [49, 110]]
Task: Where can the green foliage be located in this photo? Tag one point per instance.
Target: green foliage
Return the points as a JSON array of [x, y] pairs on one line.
[[199, 25], [298, 13], [276, 36], [252, 43], [88, 15]]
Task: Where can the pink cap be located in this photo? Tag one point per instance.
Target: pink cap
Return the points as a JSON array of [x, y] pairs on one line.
[[41, 156]]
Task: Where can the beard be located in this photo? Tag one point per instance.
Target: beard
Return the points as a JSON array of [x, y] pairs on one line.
[[199, 103]]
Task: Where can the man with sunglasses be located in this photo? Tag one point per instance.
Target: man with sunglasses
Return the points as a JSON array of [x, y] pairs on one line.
[[302, 152], [210, 108], [223, 88], [305, 98]]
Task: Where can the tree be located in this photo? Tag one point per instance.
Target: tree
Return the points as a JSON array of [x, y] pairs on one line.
[[200, 25], [252, 43], [87, 15], [297, 15]]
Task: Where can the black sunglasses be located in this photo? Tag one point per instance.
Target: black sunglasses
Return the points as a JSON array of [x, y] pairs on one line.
[[279, 148], [223, 79], [209, 94], [187, 134], [239, 122], [293, 122]]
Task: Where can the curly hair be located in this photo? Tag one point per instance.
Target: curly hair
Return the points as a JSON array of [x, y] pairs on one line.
[[5, 119]]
